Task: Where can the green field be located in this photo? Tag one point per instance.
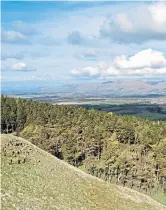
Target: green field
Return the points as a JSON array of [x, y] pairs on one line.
[[146, 111]]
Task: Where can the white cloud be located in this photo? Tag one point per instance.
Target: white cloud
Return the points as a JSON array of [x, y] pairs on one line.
[[91, 71], [13, 65], [138, 25], [158, 13], [124, 22], [78, 38], [144, 59], [24, 28], [19, 66], [75, 38], [145, 63], [13, 37]]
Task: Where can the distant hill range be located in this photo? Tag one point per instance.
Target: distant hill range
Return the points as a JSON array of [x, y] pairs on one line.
[[34, 179], [123, 88], [98, 89]]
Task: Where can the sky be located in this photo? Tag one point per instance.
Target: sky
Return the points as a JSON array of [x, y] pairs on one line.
[[83, 40]]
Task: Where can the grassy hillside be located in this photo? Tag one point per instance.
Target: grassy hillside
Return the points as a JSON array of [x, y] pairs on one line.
[[34, 179]]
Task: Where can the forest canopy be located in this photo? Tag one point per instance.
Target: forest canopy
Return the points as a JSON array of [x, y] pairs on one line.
[[126, 150]]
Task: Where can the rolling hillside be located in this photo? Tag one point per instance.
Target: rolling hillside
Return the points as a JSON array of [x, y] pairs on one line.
[[34, 179]]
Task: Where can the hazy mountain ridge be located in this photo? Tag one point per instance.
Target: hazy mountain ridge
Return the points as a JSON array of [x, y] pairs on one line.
[[124, 88], [109, 88]]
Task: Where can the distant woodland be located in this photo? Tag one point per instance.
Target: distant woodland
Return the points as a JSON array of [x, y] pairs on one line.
[[125, 150]]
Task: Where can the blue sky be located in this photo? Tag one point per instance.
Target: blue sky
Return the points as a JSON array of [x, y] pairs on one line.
[[83, 40]]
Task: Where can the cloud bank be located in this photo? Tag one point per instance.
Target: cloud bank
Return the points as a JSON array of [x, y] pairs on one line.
[[144, 63], [142, 24]]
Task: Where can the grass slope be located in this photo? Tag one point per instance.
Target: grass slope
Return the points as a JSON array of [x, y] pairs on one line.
[[34, 179]]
